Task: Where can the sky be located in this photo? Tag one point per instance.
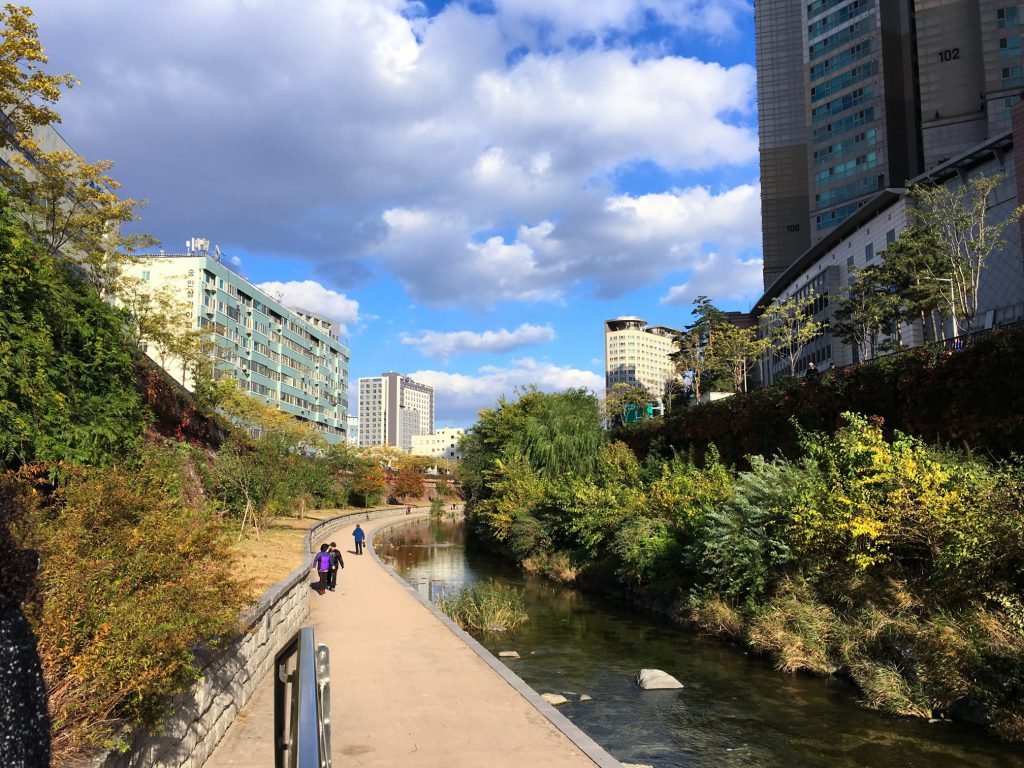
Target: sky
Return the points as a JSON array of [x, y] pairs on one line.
[[469, 188]]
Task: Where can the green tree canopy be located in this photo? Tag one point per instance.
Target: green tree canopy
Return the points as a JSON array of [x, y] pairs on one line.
[[553, 434], [67, 383]]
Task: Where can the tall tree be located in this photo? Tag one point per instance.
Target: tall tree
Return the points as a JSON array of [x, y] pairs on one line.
[[739, 350], [790, 326], [72, 207], [869, 308], [698, 357], [257, 469], [915, 267], [408, 484], [958, 216], [27, 92]]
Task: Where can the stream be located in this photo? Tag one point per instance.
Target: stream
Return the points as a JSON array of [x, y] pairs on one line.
[[734, 710]]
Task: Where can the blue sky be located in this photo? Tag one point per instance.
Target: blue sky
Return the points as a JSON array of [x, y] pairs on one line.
[[469, 188]]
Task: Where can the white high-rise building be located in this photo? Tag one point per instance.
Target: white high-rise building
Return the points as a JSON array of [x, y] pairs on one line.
[[392, 409], [636, 353]]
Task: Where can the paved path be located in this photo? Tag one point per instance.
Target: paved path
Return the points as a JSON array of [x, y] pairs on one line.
[[408, 691]]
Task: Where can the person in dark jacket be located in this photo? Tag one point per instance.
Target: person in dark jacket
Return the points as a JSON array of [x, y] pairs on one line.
[[359, 536], [336, 563]]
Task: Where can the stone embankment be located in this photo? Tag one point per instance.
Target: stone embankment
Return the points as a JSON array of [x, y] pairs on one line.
[[201, 716]]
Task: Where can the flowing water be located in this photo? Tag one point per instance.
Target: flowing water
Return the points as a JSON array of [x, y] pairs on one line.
[[734, 709]]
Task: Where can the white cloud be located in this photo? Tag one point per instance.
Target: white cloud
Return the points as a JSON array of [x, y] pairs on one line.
[[615, 243], [461, 397], [360, 133], [309, 294], [720, 279], [445, 345]]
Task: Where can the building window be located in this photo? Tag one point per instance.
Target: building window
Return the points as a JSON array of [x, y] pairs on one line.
[[890, 237], [1013, 76], [1007, 18], [1009, 46], [869, 252]]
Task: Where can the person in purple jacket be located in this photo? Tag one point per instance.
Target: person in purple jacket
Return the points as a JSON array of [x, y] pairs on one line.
[[322, 561]]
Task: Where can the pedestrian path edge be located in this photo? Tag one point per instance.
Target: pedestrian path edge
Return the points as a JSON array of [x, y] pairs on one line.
[[570, 730]]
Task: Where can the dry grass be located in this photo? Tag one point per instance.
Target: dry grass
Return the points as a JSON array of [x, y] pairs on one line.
[[717, 618], [555, 566], [264, 561], [885, 689], [796, 632]]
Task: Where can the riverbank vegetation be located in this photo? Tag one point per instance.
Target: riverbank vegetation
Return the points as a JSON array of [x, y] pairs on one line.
[[485, 606], [866, 554]]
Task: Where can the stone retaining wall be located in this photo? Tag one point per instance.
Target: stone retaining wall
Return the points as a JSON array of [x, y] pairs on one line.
[[202, 715]]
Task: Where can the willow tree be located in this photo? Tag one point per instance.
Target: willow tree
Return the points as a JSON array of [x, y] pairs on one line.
[[555, 435]]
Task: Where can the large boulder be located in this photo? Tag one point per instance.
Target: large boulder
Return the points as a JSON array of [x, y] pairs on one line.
[[655, 679]]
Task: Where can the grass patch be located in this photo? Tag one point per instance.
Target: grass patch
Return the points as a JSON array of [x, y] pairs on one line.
[[717, 618], [795, 631], [484, 606]]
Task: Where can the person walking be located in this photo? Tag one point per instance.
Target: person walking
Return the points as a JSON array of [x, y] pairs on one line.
[[336, 563], [359, 536], [322, 561]]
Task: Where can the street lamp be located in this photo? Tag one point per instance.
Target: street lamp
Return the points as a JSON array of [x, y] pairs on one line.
[[952, 301]]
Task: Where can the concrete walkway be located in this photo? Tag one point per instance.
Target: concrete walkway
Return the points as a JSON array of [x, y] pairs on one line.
[[407, 690]]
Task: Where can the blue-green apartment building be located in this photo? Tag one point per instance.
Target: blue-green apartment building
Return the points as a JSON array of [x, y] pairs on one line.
[[288, 357]]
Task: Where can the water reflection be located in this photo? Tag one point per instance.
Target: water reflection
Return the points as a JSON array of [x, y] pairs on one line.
[[734, 711]]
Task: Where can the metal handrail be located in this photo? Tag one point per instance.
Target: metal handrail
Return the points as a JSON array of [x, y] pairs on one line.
[[302, 728]]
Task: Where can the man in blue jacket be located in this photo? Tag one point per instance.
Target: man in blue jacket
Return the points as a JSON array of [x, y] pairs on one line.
[[359, 536]]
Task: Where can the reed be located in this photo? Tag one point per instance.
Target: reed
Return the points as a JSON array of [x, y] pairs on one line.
[[485, 606]]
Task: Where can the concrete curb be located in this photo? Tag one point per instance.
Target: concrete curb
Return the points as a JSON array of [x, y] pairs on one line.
[[570, 730]]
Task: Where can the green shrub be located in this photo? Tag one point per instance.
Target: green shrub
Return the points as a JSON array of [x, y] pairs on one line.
[[487, 606], [67, 381]]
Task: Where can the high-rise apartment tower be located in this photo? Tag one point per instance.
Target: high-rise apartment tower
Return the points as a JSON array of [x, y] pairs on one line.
[[858, 95], [392, 409]]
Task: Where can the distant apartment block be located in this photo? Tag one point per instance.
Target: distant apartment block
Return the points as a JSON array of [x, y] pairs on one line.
[[353, 430], [444, 443], [289, 358], [393, 409], [639, 354]]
